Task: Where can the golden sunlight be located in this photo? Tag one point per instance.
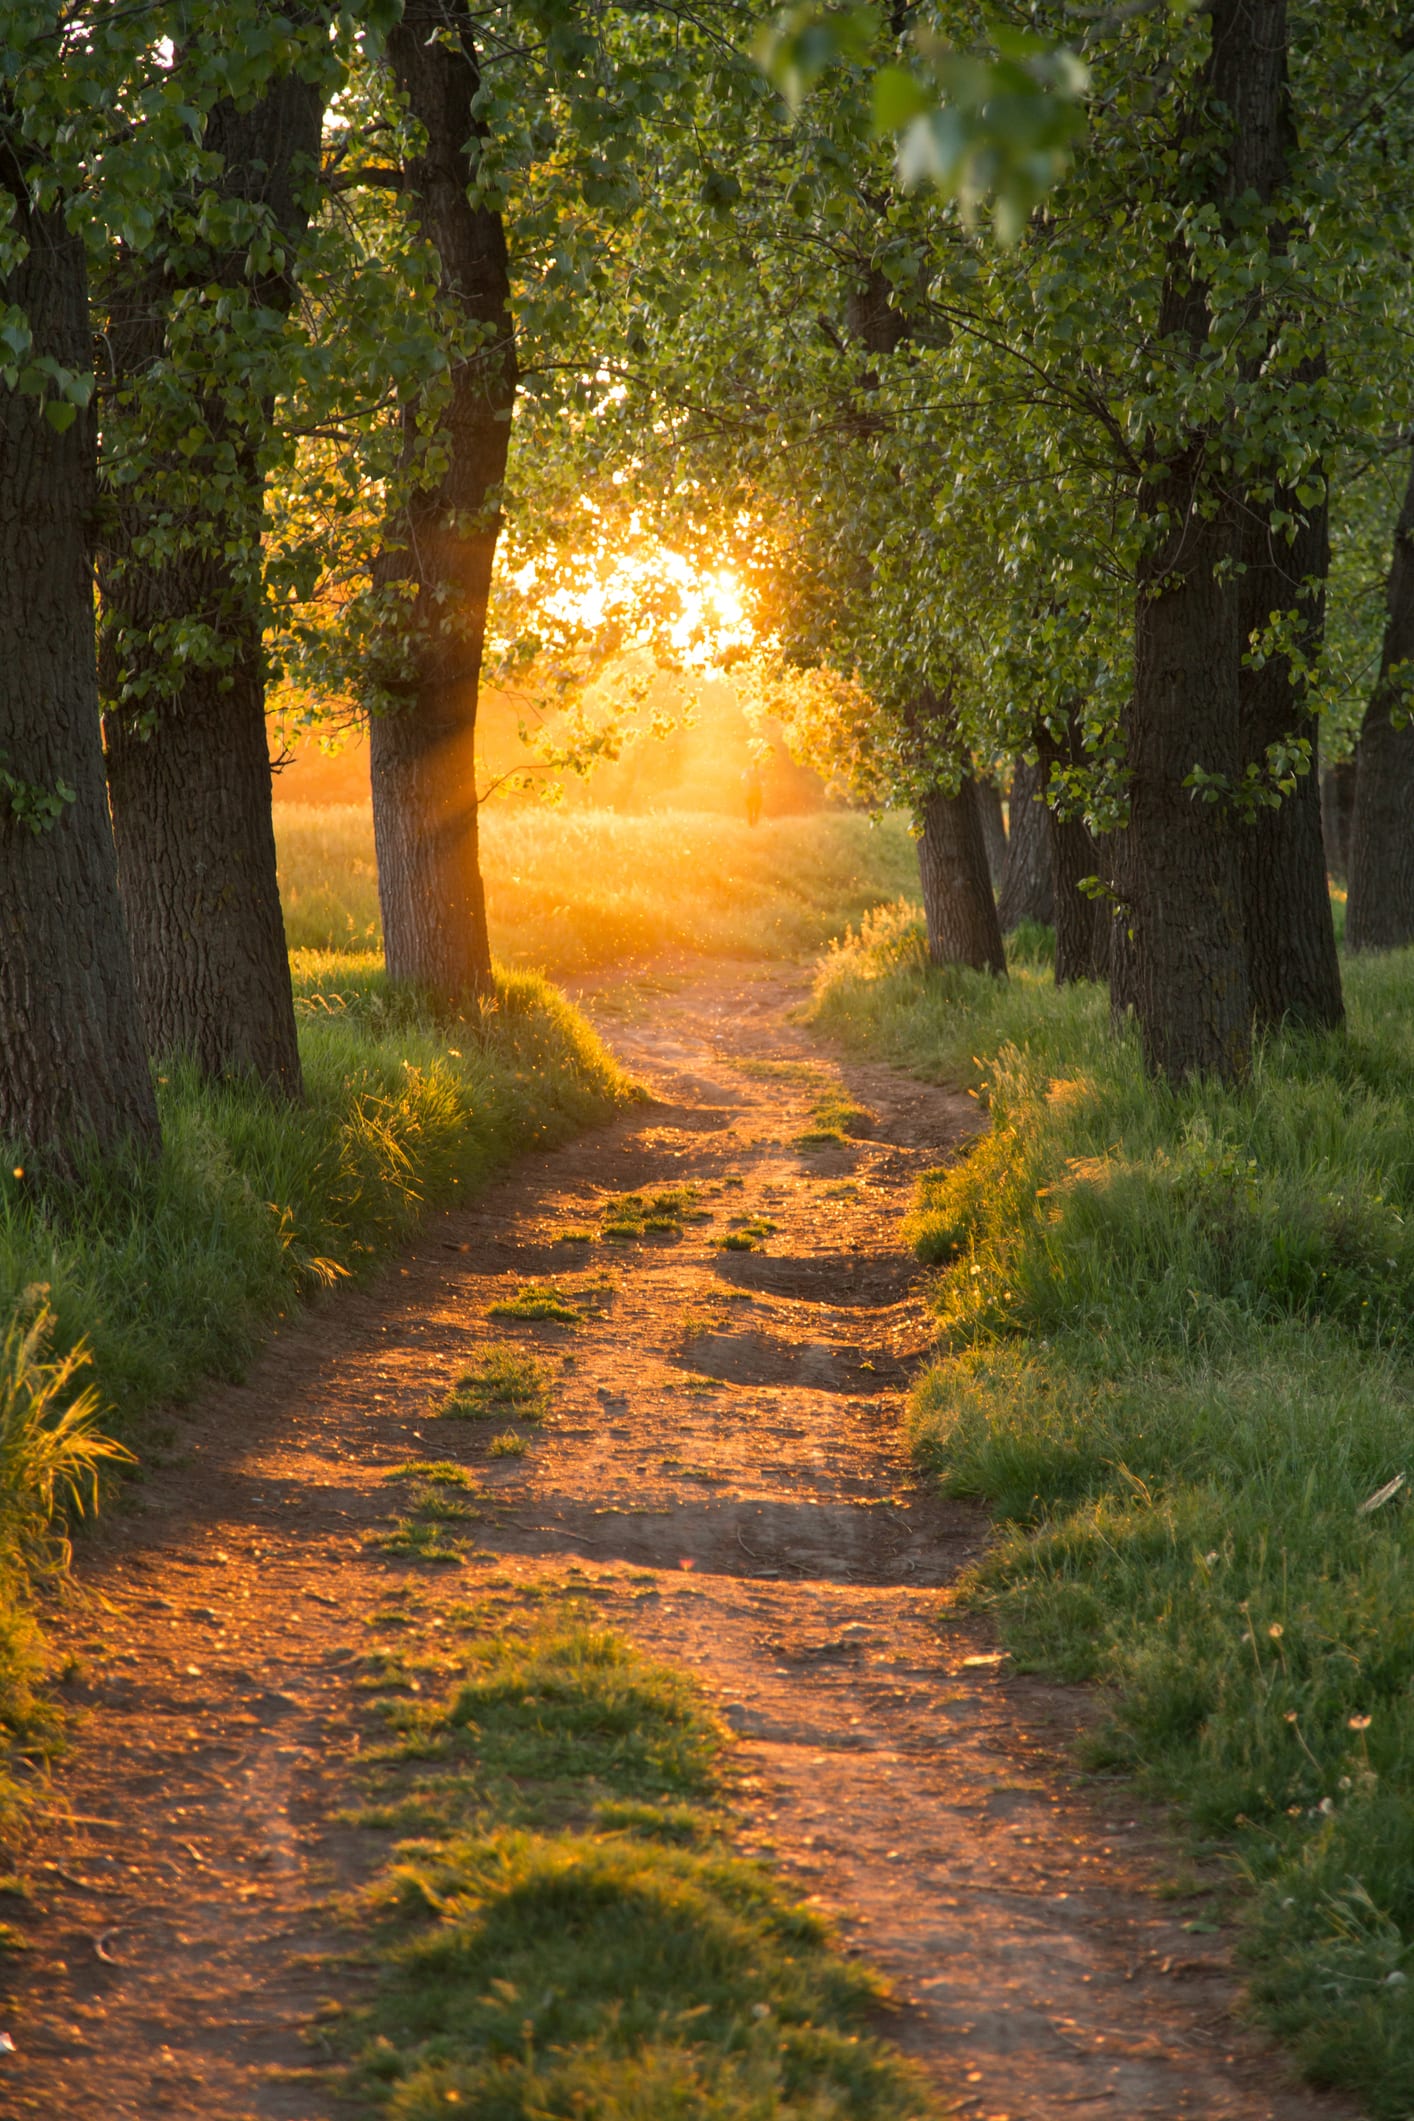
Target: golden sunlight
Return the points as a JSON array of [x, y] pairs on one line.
[[643, 593]]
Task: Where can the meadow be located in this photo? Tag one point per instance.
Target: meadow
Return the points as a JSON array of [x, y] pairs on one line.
[[1175, 1361], [569, 891]]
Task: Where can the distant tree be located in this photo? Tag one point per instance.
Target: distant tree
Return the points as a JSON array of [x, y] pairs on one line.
[[1027, 890], [441, 548], [1379, 912]]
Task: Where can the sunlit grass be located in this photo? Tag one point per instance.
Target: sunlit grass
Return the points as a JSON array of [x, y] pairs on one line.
[[563, 1930], [571, 890], [507, 1382], [172, 1273], [1178, 1363]]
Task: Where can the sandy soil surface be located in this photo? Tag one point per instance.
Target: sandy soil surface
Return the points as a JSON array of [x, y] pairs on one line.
[[721, 1466]]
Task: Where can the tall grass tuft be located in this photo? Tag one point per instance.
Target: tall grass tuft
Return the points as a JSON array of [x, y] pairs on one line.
[[1176, 1333], [52, 1449]]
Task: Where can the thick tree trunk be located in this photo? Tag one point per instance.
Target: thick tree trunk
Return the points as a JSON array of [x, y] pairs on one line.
[[196, 855], [1379, 913], [423, 747], [1083, 923], [1292, 970], [1182, 877], [1181, 865], [994, 831], [188, 763], [1337, 810], [958, 906], [1028, 881], [72, 1068]]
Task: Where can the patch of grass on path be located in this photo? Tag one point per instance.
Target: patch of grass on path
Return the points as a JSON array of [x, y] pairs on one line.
[[1176, 1360], [634, 1215], [542, 1303], [563, 1930], [507, 1382]]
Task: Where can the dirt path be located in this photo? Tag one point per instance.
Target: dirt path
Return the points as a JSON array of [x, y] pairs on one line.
[[721, 1465]]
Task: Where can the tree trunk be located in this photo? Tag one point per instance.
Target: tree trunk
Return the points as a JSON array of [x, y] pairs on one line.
[[1181, 869], [1181, 865], [423, 747], [1292, 970], [1028, 881], [1379, 913], [1337, 809], [958, 906], [994, 831], [188, 763], [1083, 923], [72, 1068]]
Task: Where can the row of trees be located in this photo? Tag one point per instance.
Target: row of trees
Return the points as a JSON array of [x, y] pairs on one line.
[[306, 308], [1077, 497], [280, 228]]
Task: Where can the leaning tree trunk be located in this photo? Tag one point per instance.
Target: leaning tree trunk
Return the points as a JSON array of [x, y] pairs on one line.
[[72, 1069], [958, 906], [1379, 913], [1337, 809], [1181, 862], [1028, 884], [188, 760], [994, 831], [1083, 922], [1292, 970], [423, 741]]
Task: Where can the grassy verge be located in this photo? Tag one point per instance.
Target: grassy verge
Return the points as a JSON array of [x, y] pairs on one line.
[[172, 1274], [560, 1927], [572, 890], [1175, 1359]]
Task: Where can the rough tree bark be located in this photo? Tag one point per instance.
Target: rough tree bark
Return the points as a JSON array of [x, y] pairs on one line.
[[1028, 884], [72, 1067], [958, 906], [1379, 913], [1337, 810], [994, 831], [1293, 973], [188, 761], [1083, 924], [1180, 866], [423, 751]]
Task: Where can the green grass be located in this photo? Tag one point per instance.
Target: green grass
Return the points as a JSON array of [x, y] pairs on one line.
[[561, 1928], [1176, 1360], [439, 1501], [540, 1302], [834, 1118], [634, 1215], [506, 1383], [569, 890], [174, 1273]]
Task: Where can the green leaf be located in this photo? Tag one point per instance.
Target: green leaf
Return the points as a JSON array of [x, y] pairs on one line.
[[899, 97]]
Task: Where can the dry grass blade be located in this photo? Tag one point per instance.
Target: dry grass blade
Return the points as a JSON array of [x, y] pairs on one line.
[[52, 1450]]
